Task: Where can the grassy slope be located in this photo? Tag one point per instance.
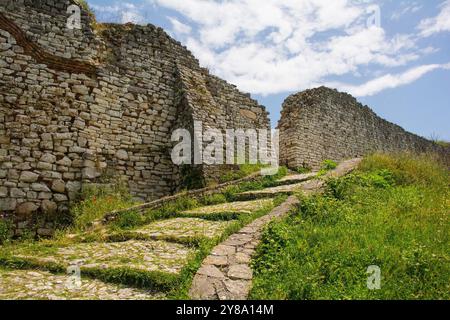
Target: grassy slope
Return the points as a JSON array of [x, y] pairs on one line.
[[393, 213]]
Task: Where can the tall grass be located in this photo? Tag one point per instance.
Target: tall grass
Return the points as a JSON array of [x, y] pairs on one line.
[[98, 201], [393, 212]]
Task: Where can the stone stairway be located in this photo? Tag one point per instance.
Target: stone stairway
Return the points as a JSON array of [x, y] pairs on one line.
[[147, 262]]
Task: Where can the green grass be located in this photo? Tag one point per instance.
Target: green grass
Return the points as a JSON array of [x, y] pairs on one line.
[[5, 230], [96, 202], [302, 170], [244, 171], [393, 212], [326, 166]]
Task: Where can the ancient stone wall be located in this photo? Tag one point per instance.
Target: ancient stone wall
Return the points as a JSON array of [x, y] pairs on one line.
[[79, 106], [322, 124]]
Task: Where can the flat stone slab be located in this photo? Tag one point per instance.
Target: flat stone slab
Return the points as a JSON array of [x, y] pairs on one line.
[[296, 178], [41, 285], [344, 168], [288, 189], [239, 207], [138, 255], [183, 228]]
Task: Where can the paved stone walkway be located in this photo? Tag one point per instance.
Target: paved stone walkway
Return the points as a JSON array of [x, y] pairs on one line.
[[226, 273], [41, 285], [182, 228], [244, 207], [159, 248], [136, 255], [297, 178]]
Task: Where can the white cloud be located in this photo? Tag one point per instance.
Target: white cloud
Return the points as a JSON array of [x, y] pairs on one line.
[[268, 47], [179, 27], [389, 81], [123, 13], [437, 24], [407, 7]]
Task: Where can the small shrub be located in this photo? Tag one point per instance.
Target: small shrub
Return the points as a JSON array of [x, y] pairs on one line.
[[129, 220], [303, 170], [97, 201], [214, 199], [171, 209], [85, 6], [244, 171], [409, 169], [5, 230], [329, 165], [346, 186]]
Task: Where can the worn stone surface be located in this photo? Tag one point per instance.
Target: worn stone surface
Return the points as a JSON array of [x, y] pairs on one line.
[[183, 228], [40, 285], [139, 255], [241, 207], [297, 178], [272, 192]]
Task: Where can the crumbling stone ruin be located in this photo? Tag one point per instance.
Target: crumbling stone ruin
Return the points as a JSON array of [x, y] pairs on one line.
[[81, 105], [76, 105], [322, 124]]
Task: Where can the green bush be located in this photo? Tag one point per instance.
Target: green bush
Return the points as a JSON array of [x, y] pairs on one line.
[[172, 208], [5, 230], [98, 201], [244, 171], [342, 187], [85, 6], [128, 220], [302, 170], [409, 169], [327, 165], [214, 199]]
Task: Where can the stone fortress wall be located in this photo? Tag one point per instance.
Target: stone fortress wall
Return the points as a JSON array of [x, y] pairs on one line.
[[79, 105], [322, 123]]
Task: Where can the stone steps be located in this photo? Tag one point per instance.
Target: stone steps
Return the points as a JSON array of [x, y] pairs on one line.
[[238, 207], [179, 230], [153, 256], [43, 285], [287, 185], [296, 178], [152, 264], [226, 273], [288, 189]]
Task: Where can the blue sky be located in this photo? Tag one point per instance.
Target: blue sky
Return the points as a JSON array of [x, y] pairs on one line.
[[393, 55]]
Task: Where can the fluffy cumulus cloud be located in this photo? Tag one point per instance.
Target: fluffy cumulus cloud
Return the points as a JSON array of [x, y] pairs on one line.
[[272, 46], [437, 24], [268, 47], [389, 81]]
